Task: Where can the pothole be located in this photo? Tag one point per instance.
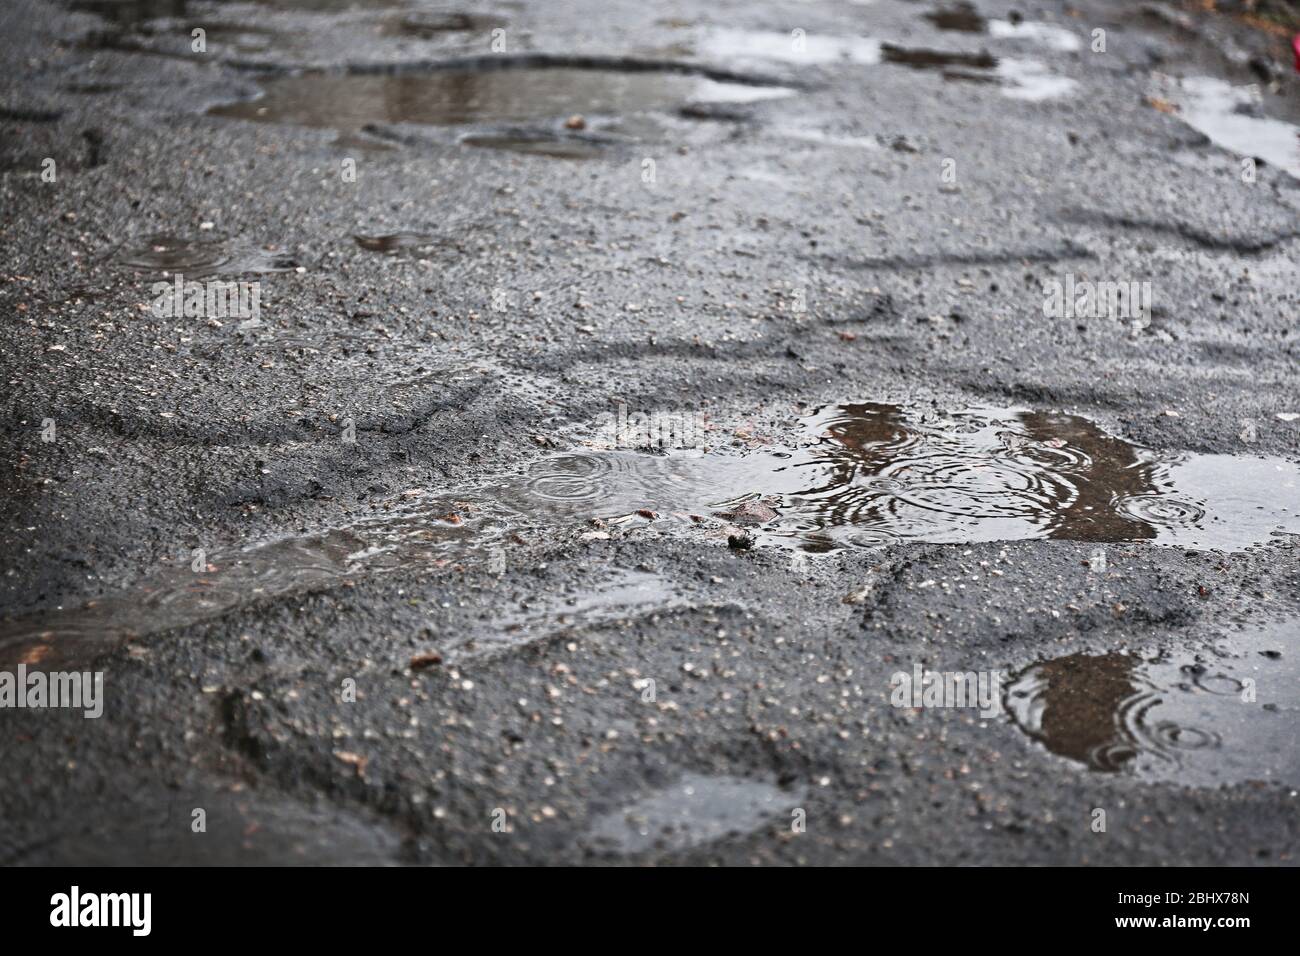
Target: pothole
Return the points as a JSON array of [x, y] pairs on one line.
[[861, 476], [351, 101]]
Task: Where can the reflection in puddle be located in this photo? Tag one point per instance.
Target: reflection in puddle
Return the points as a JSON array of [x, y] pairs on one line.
[[169, 254], [1205, 720], [350, 101], [876, 474], [696, 810], [1230, 116]]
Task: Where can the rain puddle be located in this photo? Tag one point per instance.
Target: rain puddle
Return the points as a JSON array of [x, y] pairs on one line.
[[170, 254], [416, 532], [864, 475], [788, 47], [536, 142], [1031, 80], [131, 12], [1230, 116], [1225, 716], [1057, 39], [427, 24], [397, 242], [964, 18], [162, 27], [873, 474], [696, 810], [134, 12], [1018, 78], [448, 98], [329, 6], [627, 595], [821, 137]]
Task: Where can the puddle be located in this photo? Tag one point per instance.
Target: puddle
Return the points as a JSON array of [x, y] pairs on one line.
[[1184, 719], [871, 474], [351, 101], [236, 37], [1057, 39], [133, 28], [1230, 116], [541, 143], [420, 534], [1018, 78], [131, 12], [355, 140], [864, 475], [167, 254], [962, 17], [1031, 80], [330, 6], [810, 48], [427, 24], [696, 810], [177, 596], [824, 138], [404, 535], [397, 241], [625, 596]]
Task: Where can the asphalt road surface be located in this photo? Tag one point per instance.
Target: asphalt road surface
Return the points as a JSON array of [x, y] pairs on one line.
[[588, 432]]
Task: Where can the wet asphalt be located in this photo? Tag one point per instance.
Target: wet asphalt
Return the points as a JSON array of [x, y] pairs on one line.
[[535, 687]]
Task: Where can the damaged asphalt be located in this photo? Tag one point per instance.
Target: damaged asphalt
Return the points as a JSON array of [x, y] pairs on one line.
[[787, 253]]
